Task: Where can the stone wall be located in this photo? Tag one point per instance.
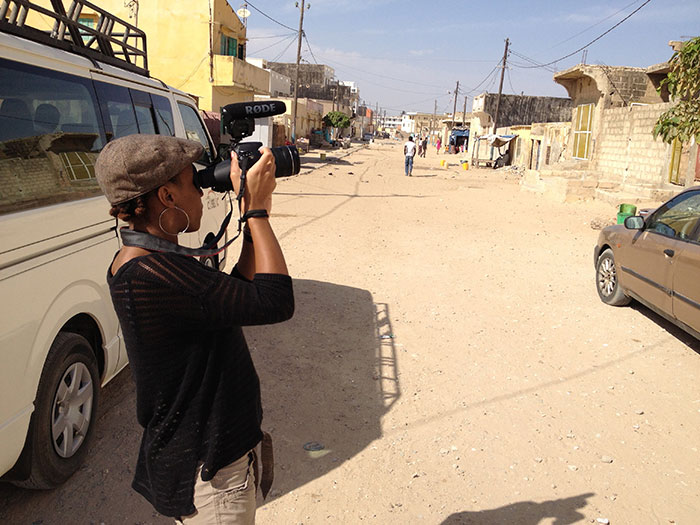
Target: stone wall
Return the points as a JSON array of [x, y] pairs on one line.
[[625, 150], [523, 109]]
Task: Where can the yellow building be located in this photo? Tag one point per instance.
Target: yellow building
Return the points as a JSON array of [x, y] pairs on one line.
[[196, 46], [309, 116]]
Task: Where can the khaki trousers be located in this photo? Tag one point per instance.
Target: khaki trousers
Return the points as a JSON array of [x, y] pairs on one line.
[[228, 498]]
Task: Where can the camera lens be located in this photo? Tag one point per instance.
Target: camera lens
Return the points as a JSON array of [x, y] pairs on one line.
[[286, 161]]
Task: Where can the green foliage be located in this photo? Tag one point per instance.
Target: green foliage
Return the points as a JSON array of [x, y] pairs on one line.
[[336, 119], [682, 121]]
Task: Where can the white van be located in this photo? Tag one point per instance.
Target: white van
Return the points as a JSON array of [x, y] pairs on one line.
[[65, 92]]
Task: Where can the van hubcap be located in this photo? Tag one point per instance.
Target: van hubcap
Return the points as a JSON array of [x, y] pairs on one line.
[[72, 406]]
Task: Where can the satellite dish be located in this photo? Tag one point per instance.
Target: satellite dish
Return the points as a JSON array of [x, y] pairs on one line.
[[243, 13]]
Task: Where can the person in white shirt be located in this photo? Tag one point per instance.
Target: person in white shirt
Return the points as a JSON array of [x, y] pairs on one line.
[[409, 150]]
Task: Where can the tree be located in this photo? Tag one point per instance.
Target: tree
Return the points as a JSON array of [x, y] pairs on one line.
[[682, 121], [336, 119]]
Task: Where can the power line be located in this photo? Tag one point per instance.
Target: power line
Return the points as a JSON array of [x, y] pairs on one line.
[[309, 47], [509, 81], [272, 45], [270, 36], [270, 18], [592, 41], [534, 62], [483, 81], [597, 23], [284, 50]]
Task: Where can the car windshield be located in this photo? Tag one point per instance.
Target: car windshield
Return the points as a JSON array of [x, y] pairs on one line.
[[678, 217]]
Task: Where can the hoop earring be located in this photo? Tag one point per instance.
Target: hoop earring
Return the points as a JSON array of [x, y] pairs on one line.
[[160, 221]]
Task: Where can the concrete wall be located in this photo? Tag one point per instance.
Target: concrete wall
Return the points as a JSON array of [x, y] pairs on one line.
[[625, 150], [523, 109]]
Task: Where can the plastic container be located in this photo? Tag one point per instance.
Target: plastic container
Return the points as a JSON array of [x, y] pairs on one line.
[[622, 216], [465, 165], [630, 209]]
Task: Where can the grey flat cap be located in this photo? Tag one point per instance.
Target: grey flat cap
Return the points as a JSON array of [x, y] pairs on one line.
[[134, 165]]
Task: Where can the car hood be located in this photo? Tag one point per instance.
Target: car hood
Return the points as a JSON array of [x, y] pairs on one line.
[[616, 234]]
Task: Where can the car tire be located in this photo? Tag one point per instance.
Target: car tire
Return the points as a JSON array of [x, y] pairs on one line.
[[64, 415], [210, 261], [607, 282]]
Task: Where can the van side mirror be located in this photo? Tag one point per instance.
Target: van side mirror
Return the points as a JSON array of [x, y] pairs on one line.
[[634, 223]]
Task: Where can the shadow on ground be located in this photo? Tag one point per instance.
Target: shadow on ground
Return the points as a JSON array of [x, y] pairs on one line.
[[328, 376], [667, 325], [564, 511], [307, 161]]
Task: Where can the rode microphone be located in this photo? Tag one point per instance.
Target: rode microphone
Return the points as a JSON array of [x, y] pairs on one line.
[[241, 110]]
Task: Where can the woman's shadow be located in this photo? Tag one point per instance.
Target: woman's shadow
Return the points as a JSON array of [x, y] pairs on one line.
[[328, 376]]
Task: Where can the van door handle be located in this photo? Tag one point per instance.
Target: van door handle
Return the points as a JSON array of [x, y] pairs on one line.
[[669, 253]]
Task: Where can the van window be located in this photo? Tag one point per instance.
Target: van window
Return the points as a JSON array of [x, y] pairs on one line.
[[50, 135], [117, 109], [164, 115], [194, 130]]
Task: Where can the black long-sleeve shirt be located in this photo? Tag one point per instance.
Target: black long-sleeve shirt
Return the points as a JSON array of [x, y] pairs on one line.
[[197, 392]]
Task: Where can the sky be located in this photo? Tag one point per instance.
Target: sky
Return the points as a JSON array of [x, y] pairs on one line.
[[405, 54]]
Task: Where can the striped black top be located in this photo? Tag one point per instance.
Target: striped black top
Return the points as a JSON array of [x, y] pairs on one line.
[[197, 392]]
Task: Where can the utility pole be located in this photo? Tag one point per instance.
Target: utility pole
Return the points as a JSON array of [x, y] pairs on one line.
[[376, 112], [464, 112], [432, 121], [296, 73], [500, 88], [454, 108]]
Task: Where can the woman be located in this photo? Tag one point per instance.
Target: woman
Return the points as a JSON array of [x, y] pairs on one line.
[[197, 392], [438, 144]]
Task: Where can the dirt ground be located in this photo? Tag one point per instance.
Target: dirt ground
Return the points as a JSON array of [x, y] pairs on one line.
[[450, 354]]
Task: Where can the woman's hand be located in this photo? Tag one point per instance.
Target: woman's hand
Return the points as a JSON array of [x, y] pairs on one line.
[[260, 181]]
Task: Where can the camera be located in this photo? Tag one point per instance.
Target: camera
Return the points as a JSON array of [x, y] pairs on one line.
[[238, 120]]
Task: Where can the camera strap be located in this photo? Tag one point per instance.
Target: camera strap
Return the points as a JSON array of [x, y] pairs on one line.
[[156, 244]]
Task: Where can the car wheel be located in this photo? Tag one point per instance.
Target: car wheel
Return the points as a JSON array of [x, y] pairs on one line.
[[607, 283], [65, 406], [211, 261]]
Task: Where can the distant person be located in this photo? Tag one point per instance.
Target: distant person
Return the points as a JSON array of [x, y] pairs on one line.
[[437, 145], [424, 143], [420, 146], [409, 151]]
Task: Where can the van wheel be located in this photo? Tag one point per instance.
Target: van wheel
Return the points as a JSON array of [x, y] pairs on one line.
[[63, 418]]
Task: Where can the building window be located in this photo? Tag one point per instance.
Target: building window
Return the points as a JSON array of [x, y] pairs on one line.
[[229, 46], [87, 21], [79, 165], [674, 168], [582, 131]]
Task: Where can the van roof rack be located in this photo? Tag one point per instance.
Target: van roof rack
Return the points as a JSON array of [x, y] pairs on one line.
[[112, 40]]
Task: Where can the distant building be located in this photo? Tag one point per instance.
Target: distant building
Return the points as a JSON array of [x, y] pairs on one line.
[[280, 85], [515, 110], [317, 81]]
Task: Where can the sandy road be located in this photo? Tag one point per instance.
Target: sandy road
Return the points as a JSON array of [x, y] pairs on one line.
[[451, 355]]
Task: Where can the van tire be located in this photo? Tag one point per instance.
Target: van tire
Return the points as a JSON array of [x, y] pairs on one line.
[[66, 401]]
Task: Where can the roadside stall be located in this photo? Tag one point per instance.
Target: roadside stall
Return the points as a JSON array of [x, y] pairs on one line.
[[487, 150]]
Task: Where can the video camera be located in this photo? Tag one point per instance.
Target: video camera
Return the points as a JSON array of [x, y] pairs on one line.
[[238, 120]]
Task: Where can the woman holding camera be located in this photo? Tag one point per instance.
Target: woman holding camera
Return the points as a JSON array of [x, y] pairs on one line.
[[197, 391]]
